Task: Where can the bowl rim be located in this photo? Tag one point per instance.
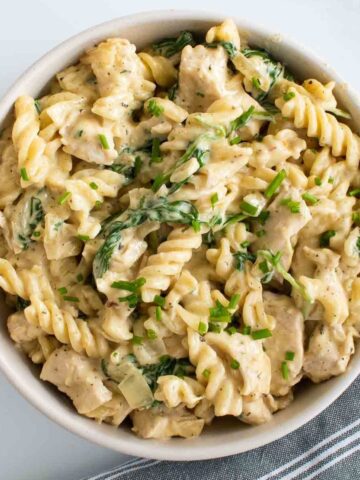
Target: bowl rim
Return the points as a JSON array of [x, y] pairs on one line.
[[158, 449]]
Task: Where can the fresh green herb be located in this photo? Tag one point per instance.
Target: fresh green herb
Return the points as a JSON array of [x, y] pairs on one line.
[[214, 327], [93, 185], [206, 373], [129, 286], [132, 299], [229, 47], [219, 313], [202, 328], [180, 367], [69, 298], [356, 218], [267, 271], [104, 141], [289, 356], [37, 106], [235, 140], [260, 233], [21, 303], [154, 108], [231, 330], [24, 175], [136, 340], [170, 46], [36, 234], [292, 205], [158, 313], [358, 245], [79, 133], [214, 199], [284, 370], [331, 180], [158, 209], [325, 238], [340, 113], [80, 277], [64, 198], [309, 199], [98, 204], [159, 301], [83, 238], [248, 208], [242, 120], [288, 96], [241, 257], [246, 330], [275, 184], [173, 91], [261, 334], [256, 83], [274, 261], [354, 193], [318, 181], [62, 290], [263, 216], [151, 334], [199, 94], [245, 244], [234, 300], [155, 151], [58, 225], [31, 215], [234, 364]]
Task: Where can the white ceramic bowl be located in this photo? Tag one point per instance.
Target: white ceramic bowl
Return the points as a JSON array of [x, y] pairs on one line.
[[226, 437]]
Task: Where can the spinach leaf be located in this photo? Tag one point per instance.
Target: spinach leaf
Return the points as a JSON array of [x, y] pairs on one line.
[[166, 366], [170, 46]]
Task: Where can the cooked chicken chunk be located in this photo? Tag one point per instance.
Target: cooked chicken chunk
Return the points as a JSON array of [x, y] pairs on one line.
[[78, 377], [288, 336], [329, 351], [258, 410], [21, 330], [202, 77]]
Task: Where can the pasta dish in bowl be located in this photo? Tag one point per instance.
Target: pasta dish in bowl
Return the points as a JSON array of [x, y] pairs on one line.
[[180, 233]]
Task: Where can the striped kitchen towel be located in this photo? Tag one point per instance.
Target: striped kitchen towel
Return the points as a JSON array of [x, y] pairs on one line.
[[327, 448]]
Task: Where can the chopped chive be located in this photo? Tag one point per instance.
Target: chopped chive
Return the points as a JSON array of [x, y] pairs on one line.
[[288, 96], [318, 181], [235, 140], [158, 313], [158, 300], [356, 218], [129, 286], [289, 356], [196, 225], [331, 180], [214, 199], [80, 277], [83, 238], [132, 299], [64, 198], [24, 175], [263, 216], [234, 364], [98, 203], [260, 233], [69, 298], [37, 106], [242, 120], [137, 166], [354, 193], [292, 205], [104, 141], [264, 267], [93, 185], [62, 290], [234, 300], [79, 133], [310, 199], [155, 151], [249, 208], [214, 327], [246, 330], [202, 328], [154, 108], [260, 334], [151, 334], [325, 238], [245, 244], [231, 330], [206, 373], [36, 234], [136, 340], [275, 184], [256, 82], [284, 370]]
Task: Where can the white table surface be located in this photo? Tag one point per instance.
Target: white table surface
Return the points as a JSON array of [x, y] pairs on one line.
[[32, 447]]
